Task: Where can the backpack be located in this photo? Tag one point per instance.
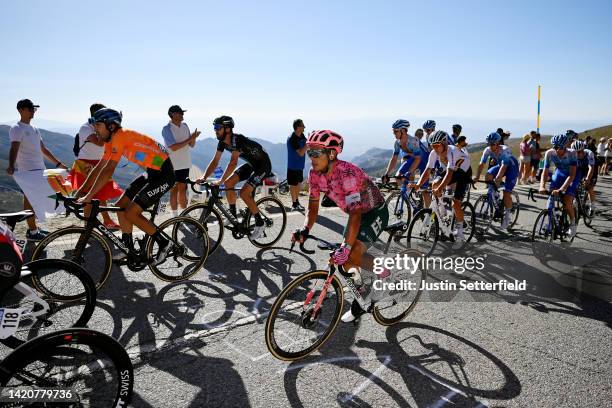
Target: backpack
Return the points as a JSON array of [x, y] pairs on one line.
[[76, 148]]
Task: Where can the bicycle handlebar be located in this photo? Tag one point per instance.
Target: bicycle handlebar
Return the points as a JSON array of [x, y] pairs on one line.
[[75, 208], [323, 245]]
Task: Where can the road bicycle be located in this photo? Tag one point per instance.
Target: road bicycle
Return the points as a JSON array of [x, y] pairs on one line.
[[89, 246], [490, 208], [28, 313], [210, 215], [438, 223], [308, 309], [68, 367], [403, 202], [552, 223], [584, 205]]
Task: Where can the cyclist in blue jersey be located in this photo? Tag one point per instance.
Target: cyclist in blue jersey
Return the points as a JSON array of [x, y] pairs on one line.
[[408, 147], [564, 178], [506, 166], [586, 168]]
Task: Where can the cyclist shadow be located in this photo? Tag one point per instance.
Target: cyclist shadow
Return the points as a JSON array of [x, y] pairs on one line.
[[217, 379], [587, 285], [427, 387], [347, 360]]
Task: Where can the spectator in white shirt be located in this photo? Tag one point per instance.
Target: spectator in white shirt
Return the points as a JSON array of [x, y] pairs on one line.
[[27, 150], [179, 142], [601, 156]]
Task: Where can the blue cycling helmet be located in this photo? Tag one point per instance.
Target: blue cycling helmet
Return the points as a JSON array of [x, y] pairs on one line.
[[401, 124], [107, 116], [429, 124], [493, 138], [559, 140]]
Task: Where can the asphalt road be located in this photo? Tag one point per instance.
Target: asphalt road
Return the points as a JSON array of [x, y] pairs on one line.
[[200, 343]]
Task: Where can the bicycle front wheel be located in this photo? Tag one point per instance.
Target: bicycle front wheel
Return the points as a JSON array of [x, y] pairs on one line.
[[394, 303], [483, 214], [213, 222], [275, 220], [96, 256], [43, 314], [188, 253], [423, 232], [94, 366], [399, 208], [304, 315], [544, 228]]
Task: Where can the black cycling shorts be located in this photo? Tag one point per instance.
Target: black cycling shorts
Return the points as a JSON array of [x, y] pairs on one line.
[[460, 179], [253, 177], [147, 189], [294, 177], [181, 175]]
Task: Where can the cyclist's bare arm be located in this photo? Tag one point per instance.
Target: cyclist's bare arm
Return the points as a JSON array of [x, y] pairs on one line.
[[392, 163], [479, 172], [104, 176], [231, 166], [313, 211], [447, 178], [211, 166], [352, 229], [570, 179], [91, 178], [423, 179]]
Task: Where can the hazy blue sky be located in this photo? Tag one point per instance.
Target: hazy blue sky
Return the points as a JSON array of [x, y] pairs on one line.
[[352, 65]]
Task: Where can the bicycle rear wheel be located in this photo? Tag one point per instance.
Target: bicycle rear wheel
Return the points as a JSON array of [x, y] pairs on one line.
[[96, 256], [189, 252], [295, 326], [423, 232], [69, 279], [275, 220], [213, 222], [514, 211], [94, 366], [469, 221], [393, 305]]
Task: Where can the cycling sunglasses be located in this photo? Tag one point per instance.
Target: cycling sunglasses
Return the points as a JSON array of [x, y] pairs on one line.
[[217, 127], [316, 152]]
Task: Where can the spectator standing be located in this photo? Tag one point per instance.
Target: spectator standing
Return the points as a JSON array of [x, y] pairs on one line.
[[525, 168], [536, 155], [26, 157], [296, 160], [89, 151], [179, 142], [601, 156]]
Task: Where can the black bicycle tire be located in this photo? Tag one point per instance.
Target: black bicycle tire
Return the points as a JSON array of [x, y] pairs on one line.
[[389, 322], [77, 230], [80, 273], [200, 262], [269, 328], [425, 212], [397, 195], [214, 213], [280, 234], [41, 345]]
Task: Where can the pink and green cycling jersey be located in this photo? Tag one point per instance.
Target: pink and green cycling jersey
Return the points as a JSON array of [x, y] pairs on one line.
[[348, 186]]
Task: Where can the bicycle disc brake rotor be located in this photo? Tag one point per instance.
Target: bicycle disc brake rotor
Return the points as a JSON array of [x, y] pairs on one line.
[[308, 319]]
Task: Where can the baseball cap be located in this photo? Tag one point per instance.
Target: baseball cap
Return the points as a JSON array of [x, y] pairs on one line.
[[26, 103], [175, 109]]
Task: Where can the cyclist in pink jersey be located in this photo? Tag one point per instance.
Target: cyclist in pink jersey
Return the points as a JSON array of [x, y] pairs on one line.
[[353, 191]]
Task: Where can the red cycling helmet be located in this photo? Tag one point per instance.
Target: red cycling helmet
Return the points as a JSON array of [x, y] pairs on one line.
[[325, 139]]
